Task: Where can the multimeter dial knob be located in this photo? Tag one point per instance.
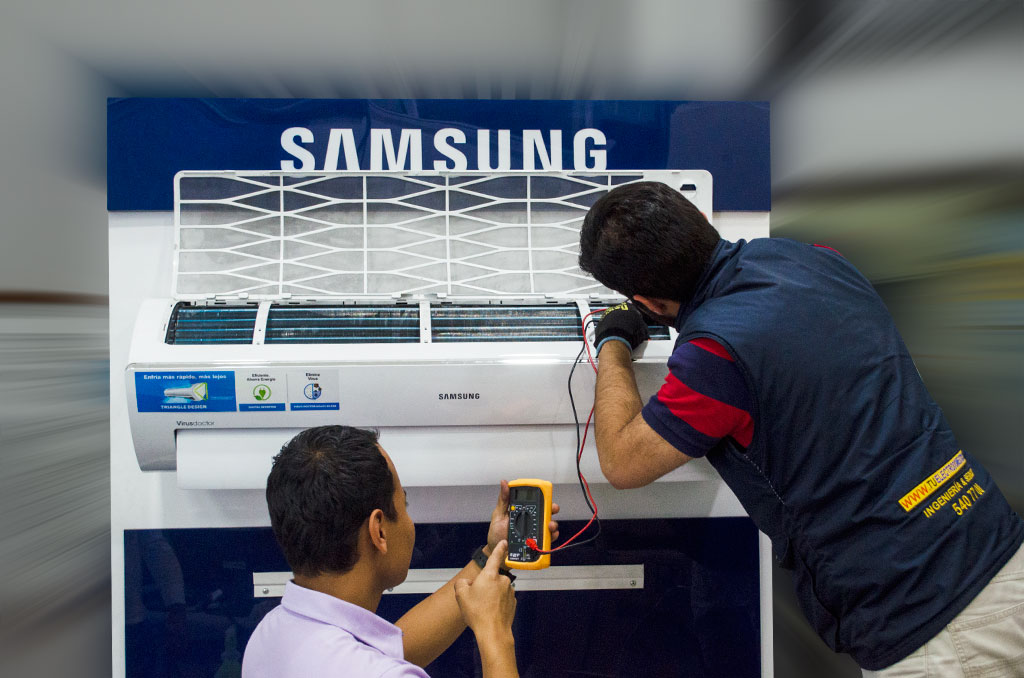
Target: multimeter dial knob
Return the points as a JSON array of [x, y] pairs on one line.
[[523, 520]]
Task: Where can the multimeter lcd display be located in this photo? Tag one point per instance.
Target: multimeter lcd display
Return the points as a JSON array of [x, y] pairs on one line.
[[525, 521]]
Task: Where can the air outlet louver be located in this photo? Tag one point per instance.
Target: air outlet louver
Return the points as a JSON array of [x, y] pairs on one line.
[[211, 324], [343, 324], [505, 323]]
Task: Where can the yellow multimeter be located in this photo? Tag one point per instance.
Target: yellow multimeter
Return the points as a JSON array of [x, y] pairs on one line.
[[529, 513]]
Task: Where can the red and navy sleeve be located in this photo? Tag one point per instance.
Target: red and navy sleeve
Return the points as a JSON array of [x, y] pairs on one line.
[[704, 399]]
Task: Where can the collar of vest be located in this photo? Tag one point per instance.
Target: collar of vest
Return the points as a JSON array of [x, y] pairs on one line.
[[709, 280]]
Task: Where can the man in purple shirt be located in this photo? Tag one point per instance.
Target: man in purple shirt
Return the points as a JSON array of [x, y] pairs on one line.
[[338, 511]]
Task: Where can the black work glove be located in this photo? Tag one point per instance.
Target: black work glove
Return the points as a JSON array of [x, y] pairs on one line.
[[621, 323]]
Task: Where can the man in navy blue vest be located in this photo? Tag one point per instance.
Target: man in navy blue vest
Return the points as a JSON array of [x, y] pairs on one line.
[[790, 377]]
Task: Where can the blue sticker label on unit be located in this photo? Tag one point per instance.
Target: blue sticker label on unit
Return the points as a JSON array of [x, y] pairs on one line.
[[199, 391], [314, 406]]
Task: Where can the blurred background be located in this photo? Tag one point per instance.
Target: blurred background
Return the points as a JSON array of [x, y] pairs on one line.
[[896, 138]]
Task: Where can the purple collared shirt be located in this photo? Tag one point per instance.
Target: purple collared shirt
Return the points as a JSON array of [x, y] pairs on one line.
[[312, 634]]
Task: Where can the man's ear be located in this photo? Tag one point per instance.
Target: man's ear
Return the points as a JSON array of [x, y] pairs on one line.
[[377, 531]]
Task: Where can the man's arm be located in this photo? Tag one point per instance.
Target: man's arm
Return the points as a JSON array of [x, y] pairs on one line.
[[429, 628], [632, 454]]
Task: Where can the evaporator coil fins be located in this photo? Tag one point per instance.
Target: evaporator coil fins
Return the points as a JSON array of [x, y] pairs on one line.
[[378, 323], [343, 324], [658, 331], [493, 322], [211, 324]]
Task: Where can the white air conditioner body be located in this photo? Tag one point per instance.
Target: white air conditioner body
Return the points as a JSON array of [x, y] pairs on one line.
[[373, 385]]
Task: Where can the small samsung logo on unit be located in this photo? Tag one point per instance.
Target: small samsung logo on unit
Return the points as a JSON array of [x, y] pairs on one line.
[[458, 396]]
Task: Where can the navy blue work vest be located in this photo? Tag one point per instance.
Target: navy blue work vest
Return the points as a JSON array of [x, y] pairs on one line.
[[853, 471]]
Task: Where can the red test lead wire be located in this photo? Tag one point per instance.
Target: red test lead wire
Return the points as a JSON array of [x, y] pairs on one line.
[[587, 343], [532, 543]]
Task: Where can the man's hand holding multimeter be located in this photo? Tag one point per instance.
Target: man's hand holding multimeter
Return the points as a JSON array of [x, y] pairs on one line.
[[500, 522]]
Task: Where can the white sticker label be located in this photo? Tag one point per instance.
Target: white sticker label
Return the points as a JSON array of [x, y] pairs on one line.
[[313, 390], [261, 390]]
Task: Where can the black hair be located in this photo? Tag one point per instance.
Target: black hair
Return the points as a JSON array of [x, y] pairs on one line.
[[324, 484], [646, 238]]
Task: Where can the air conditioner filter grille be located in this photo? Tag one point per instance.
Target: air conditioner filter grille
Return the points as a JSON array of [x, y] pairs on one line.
[[369, 235]]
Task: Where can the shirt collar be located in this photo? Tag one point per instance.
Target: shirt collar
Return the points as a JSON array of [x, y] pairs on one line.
[[707, 282], [364, 625]]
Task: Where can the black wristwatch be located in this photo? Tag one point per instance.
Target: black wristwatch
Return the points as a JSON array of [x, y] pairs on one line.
[[480, 558]]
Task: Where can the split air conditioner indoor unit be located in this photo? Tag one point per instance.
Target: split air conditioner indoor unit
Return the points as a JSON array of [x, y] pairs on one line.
[[442, 302]]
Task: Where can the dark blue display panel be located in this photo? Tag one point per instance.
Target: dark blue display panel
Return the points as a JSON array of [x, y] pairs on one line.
[[190, 606], [197, 391], [149, 140]]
